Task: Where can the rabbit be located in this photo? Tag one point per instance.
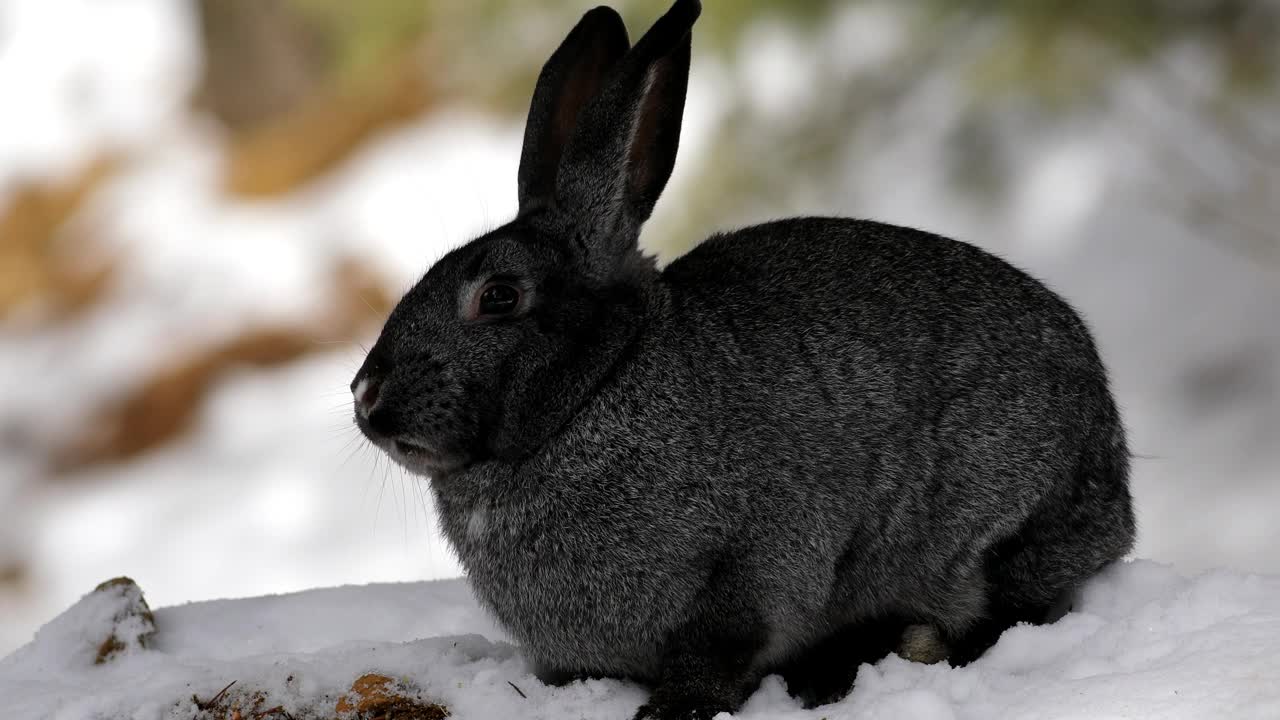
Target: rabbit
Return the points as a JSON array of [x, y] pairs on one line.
[[775, 455]]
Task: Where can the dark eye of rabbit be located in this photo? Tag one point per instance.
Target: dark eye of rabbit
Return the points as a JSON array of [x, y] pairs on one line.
[[498, 299]]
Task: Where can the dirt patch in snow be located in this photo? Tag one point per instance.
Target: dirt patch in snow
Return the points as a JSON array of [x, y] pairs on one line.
[[371, 697], [132, 625]]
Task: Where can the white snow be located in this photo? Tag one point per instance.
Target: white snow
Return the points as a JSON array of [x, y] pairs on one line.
[[111, 77], [1142, 642]]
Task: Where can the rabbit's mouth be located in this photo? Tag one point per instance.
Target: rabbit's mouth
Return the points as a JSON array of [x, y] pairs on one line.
[[410, 448], [421, 458]]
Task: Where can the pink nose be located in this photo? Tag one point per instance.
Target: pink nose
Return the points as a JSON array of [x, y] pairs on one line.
[[366, 394]]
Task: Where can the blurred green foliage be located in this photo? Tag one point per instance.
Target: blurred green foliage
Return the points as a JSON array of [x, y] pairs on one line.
[[362, 35], [494, 47], [1053, 48], [1061, 49]]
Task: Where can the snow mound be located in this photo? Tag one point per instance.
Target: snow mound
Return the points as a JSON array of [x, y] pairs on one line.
[[1143, 642]]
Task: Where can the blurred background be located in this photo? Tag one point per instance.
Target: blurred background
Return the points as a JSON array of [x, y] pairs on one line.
[[207, 206]]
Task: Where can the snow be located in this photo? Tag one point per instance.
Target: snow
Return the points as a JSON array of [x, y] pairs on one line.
[[111, 78], [1142, 642]]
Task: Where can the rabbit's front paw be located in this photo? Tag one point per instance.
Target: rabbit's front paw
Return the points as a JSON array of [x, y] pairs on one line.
[[679, 709], [555, 677]]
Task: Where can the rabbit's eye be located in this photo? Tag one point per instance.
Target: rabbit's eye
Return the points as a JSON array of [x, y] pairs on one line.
[[498, 299]]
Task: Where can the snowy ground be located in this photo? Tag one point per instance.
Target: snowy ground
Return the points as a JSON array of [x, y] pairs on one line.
[[1144, 642]]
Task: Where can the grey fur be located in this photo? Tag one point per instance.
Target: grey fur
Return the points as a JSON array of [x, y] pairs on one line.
[[774, 455]]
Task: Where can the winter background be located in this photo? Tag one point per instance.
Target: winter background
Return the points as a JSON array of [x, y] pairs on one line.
[[208, 206]]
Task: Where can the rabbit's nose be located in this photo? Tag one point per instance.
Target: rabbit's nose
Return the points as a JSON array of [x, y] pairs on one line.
[[365, 392]]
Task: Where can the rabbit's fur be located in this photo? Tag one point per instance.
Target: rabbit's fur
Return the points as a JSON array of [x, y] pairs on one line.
[[772, 455]]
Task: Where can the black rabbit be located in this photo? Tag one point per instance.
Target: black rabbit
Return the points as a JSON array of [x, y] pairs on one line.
[[771, 456]]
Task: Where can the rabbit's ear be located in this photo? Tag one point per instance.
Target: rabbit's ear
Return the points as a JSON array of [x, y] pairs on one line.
[[573, 76], [624, 147]]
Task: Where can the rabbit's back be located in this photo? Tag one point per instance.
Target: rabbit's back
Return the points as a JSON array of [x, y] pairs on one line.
[[900, 289], [908, 399], [884, 312]]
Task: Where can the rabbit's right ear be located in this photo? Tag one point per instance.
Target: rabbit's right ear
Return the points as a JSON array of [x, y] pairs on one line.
[[623, 149], [573, 76]]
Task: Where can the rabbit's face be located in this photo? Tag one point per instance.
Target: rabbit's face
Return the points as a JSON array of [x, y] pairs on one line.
[[430, 382], [472, 348], [497, 348]]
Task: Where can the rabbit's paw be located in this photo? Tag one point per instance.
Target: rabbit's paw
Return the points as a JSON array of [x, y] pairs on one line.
[[555, 677], [679, 709]]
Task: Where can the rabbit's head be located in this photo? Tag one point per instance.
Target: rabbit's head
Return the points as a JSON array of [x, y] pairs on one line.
[[501, 341]]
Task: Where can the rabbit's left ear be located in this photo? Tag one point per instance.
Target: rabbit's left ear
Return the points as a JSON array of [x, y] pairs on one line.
[[569, 80], [622, 151]]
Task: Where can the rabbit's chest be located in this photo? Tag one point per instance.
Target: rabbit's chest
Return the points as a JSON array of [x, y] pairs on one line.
[[574, 590]]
